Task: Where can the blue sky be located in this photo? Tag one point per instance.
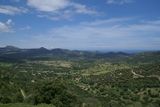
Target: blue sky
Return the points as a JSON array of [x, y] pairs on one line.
[[81, 24]]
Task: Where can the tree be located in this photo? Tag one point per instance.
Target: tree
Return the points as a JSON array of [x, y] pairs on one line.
[[53, 92]]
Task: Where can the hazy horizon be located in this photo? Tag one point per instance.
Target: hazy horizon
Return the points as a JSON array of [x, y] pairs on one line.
[[89, 50]]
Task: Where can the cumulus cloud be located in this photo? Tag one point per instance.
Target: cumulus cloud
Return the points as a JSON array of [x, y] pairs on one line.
[[57, 9], [11, 10], [120, 2], [6, 26], [117, 33]]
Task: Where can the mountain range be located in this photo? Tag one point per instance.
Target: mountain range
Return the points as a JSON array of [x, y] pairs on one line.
[[15, 53]]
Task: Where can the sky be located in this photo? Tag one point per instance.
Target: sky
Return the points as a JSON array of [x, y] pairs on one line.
[[81, 24]]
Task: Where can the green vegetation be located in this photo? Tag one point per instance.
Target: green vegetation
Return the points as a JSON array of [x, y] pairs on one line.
[[25, 105], [117, 81]]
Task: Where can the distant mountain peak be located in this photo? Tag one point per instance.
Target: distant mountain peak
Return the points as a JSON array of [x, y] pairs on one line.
[[42, 48], [11, 47]]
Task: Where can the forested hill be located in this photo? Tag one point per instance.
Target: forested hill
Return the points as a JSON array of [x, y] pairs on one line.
[[11, 53], [14, 53]]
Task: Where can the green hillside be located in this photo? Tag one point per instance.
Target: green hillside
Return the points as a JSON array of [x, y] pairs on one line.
[[128, 80]]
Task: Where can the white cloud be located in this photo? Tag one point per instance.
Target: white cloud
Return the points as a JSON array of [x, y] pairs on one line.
[[59, 9], [10, 10], [48, 5], [79, 8], [114, 33], [9, 21], [120, 2], [6, 26]]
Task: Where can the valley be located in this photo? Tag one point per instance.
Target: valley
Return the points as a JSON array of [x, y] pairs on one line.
[[64, 78]]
